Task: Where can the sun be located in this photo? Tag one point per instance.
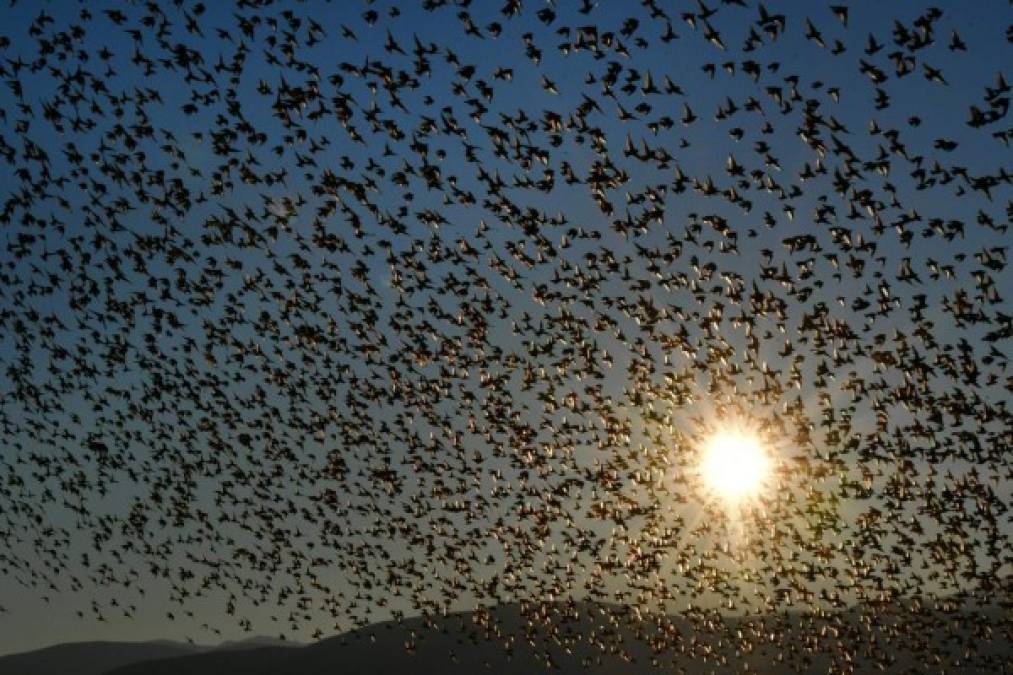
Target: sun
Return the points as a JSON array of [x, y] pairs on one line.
[[735, 464]]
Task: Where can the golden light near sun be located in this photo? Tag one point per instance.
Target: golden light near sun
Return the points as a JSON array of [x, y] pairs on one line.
[[735, 464]]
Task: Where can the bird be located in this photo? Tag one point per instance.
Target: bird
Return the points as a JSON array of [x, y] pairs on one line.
[[347, 313]]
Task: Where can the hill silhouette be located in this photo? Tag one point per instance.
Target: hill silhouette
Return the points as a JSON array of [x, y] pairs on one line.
[[604, 640], [91, 658], [96, 658]]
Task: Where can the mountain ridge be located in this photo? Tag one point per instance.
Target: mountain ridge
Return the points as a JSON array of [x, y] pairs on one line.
[[96, 657], [590, 638]]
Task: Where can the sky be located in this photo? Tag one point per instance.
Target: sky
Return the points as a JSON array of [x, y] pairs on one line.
[[170, 448]]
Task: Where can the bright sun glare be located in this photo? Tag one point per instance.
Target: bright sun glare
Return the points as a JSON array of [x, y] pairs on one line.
[[735, 464]]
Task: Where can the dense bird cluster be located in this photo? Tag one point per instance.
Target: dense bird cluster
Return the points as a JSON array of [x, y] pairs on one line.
[[347, 312]]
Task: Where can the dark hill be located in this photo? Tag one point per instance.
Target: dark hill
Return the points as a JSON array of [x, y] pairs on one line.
[[90, 658], [589, 642], [95, 658]]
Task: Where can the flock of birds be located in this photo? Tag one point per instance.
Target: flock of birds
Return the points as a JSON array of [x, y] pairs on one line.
[[331, 314]]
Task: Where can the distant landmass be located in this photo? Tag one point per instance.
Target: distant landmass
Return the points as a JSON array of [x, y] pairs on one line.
[[98, 658], [581, 638], [91, 658]]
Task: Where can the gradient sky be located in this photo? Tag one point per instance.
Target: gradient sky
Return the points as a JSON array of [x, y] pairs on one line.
[[31, 621]]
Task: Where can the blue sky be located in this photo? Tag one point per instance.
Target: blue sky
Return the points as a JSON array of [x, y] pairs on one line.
[[213, 391]]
